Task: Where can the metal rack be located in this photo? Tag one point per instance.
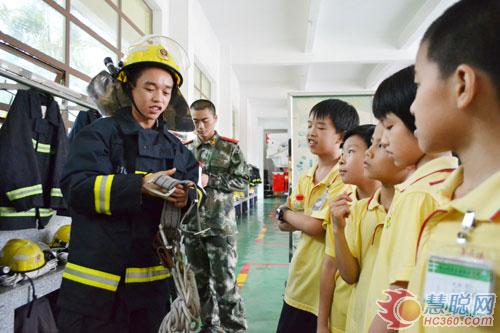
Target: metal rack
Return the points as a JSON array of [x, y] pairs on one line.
[[33, 80]]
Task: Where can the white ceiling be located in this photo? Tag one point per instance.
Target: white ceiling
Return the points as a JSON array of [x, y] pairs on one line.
[[283, 46]]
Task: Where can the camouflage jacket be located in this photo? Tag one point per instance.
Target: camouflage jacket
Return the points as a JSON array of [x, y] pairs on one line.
[[222, 160]]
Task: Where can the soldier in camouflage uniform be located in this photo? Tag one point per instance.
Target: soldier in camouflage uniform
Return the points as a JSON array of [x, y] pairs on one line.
[[213, 253]]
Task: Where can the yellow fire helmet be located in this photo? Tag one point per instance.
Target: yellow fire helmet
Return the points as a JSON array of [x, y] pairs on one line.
[[157, 51], [22, 255], [61, 237]]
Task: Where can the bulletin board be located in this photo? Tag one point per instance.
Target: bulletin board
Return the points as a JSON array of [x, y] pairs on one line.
[[300, 106]]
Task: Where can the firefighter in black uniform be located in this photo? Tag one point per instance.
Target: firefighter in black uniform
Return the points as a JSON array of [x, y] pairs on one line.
[[114, 281]]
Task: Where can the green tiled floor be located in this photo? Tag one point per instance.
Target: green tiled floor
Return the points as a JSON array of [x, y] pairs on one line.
[[268, 260]]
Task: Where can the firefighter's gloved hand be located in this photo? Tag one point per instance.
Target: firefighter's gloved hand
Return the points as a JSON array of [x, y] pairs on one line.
[[151, 189]]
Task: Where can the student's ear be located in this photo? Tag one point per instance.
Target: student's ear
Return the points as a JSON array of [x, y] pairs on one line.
[[465, 86]]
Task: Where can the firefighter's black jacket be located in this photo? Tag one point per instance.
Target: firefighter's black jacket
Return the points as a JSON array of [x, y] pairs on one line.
[[113, 228], [33, 151], [83, 119]]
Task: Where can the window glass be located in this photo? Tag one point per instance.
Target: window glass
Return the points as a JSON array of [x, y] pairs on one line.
[[202, 85], [6, 96], [98, 16], [197, 94], [34, 23], [129, 35], [139, 13], [86, 53], [206, 86], [78, 84], [61, 3], [197, 77]]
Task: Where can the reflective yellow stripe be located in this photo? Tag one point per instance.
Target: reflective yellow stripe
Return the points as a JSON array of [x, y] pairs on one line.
[[56, 192], [3, 114], [91, 277], [46, 212], [107, 195], [102, 194], [97, 194], [41, 147], [146, 274], [138, 172], [25, 192], [12, 212]]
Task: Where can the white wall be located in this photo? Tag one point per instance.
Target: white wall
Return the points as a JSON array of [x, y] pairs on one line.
[[185, 21]]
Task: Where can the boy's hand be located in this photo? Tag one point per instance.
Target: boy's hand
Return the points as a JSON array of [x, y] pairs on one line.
[[284, 226], [272, 214], [339, 211]]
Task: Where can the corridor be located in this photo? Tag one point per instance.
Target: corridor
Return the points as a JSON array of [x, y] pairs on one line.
[[262, 267]]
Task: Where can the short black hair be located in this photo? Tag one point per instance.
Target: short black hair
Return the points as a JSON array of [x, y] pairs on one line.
[[343, 115], [365, 132], [467, 33], [395, 95], [202, 104]]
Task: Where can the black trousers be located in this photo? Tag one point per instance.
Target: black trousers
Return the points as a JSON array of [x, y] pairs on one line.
[[293, 320], [146, 319]]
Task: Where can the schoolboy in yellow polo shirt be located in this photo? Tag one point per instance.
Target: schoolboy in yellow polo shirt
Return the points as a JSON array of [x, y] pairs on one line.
[[335, 293], [414, 198], [328, 121], [459, 82], [357, 229]]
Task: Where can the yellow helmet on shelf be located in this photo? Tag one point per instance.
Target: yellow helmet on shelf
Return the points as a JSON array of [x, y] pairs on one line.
[[22, 255], [61, 237], [157, 51]]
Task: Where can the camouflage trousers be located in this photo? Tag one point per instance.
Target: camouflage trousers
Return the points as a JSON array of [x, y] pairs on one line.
[[213, 260]]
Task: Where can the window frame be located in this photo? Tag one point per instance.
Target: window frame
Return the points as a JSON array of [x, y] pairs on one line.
[[63, 69], [198, 90]]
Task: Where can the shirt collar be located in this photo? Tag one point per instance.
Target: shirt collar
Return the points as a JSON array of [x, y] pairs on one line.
[[329, 179], [440, 164], [484, 200], [374, 201], [198, 142]]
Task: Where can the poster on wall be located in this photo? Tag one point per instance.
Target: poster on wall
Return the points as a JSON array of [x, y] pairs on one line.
[[300, 106]]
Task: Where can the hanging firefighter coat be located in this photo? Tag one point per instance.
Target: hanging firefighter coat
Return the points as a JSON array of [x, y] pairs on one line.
[[83, 119], [33, 151], [114, 225]]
